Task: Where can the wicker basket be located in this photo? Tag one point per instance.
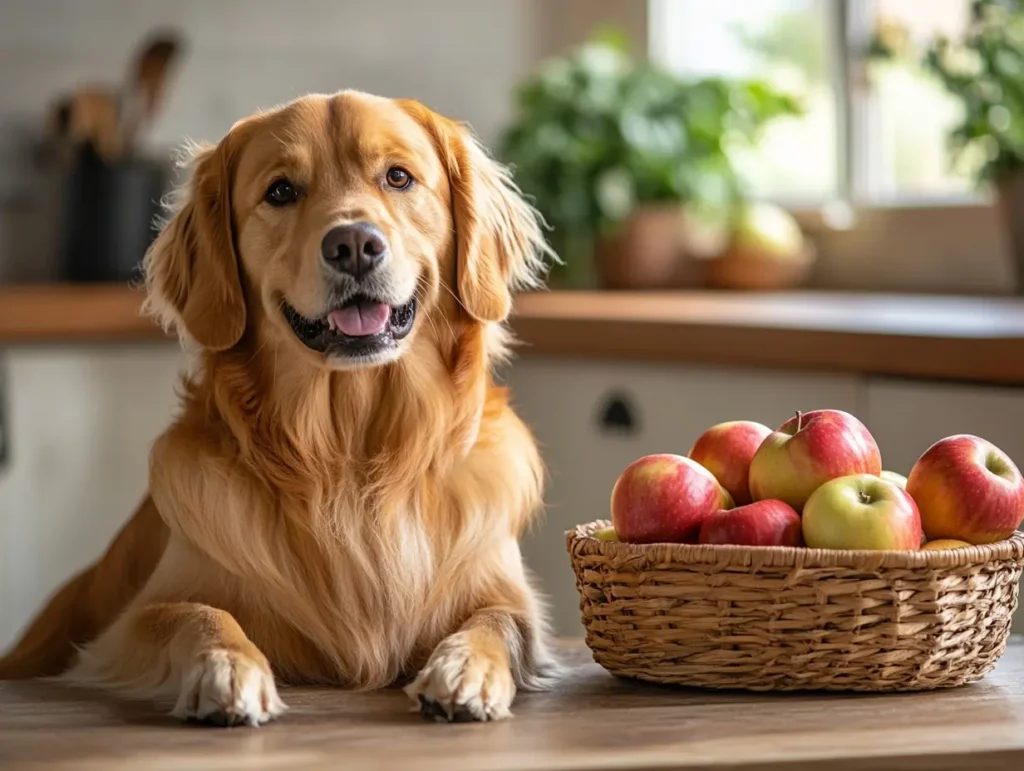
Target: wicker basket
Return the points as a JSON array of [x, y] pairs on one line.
[[779, 618]]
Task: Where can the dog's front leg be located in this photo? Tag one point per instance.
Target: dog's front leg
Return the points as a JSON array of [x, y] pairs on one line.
[[194, 652], [474, 673], [469, 675]]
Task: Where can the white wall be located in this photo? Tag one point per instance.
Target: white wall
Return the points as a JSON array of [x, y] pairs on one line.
[[462, 57]]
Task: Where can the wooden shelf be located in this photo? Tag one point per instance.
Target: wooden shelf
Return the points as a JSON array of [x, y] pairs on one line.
[[70, 313], [951, 338]]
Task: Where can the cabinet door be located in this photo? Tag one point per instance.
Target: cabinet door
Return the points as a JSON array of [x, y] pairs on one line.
[[592, 419], [80, 424], [906, 417]]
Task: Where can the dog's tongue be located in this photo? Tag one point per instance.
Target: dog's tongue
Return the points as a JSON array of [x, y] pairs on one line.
[[360, 320]]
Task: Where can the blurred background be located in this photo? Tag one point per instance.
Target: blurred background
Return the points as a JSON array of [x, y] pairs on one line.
[[840, 179]]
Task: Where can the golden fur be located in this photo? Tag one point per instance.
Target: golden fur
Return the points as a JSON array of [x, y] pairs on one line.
[[341, 524]]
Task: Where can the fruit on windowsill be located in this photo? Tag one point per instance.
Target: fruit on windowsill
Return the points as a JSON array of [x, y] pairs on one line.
[[768, 232], [766, 251]]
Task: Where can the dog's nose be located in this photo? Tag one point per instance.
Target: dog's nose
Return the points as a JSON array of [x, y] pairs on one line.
[[355, 249]]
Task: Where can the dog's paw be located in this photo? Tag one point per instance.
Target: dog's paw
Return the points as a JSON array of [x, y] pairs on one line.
[[226, 688], [462, 683]]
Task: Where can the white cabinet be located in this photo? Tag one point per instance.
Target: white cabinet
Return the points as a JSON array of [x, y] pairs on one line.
[[906, 417], [563, 401], [80, 421]]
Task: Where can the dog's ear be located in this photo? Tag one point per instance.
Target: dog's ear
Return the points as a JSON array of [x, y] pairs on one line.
[[499, 238], [191, 269]]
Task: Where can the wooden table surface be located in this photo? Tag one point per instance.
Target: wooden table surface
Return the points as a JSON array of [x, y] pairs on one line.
[[593, 721]]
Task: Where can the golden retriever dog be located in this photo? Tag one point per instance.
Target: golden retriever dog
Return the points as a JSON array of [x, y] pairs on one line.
[[341, 498]]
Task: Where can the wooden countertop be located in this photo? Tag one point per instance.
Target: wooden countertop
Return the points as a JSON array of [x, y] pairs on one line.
[[70, 313], [593, 721], [952, 338], [943, 337]]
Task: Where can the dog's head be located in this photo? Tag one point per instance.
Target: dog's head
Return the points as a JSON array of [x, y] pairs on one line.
[[335, 224]]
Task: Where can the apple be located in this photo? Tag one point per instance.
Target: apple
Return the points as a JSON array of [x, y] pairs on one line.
[[767, 231], [861, 511], [664, 498], [967, 489], [807, 451], [944, 543], [897, 479], [606, 534], [726, 451], [764, 523]]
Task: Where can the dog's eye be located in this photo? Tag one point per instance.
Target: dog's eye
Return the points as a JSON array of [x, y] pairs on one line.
[[399, 178], [281, 193]]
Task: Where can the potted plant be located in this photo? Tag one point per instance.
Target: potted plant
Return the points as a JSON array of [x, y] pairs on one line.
[[984, 71], [628, 163]]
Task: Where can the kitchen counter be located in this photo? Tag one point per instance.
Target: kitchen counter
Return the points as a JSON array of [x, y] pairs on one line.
[[939, 337], [593, 721]]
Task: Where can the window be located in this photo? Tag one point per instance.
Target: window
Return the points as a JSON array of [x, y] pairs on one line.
[[871, 134]]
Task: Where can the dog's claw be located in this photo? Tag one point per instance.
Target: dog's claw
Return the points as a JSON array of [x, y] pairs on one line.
[[218, 719], [431, 710]]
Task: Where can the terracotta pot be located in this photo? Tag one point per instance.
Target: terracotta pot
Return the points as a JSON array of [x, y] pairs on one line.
[[1010, 198], [736, 270], [652, 250]]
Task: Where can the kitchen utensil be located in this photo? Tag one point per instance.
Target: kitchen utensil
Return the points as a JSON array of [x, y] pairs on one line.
[[146, 85]]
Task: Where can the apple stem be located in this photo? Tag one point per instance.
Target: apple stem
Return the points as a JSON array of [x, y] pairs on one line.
[[799, 420]]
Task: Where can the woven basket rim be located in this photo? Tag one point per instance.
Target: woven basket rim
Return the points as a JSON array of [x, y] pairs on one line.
[[580, 540]]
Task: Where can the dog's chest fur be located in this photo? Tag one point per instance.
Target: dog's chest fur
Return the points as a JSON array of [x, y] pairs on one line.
[[361, 603]]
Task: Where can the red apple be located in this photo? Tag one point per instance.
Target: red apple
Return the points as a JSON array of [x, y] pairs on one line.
[[726, 451], [764, 523], [809, 450], [967, 489], [664, 498], [861, 511]]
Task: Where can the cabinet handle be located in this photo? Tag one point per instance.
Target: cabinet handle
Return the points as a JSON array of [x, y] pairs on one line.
[[618, 415]]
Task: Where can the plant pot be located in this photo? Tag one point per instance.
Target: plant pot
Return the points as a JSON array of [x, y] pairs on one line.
[[1010, 198], [736, 270], [652, 250]]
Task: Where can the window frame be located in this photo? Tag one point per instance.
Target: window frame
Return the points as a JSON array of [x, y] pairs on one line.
[[973, 258]]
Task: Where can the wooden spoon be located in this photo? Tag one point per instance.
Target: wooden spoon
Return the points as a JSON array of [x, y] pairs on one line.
[[146, 86]]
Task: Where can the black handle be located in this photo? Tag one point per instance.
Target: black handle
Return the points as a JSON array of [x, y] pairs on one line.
[[618, 415]]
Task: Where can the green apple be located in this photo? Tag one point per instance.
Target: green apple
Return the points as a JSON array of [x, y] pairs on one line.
[[768, 231], [897, 479], [861, 511]]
